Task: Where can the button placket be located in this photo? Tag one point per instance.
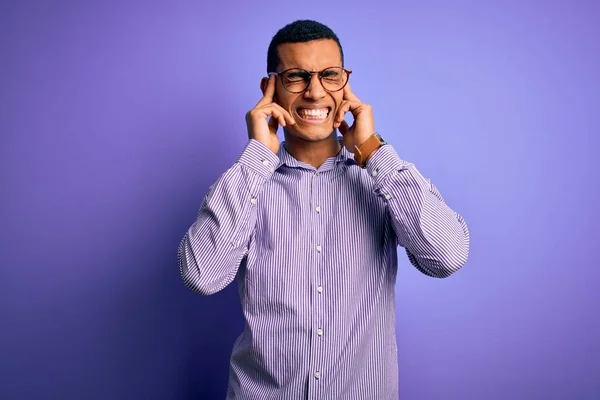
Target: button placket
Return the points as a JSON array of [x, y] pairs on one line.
[[319, 248]]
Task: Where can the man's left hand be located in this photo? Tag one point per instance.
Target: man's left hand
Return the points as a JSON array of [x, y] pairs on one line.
[[364, 124]]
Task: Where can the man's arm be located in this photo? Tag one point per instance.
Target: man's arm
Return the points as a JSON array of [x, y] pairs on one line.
[[435, 237], [214, 246]]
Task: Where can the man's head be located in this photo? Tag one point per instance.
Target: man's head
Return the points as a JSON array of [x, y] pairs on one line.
[[301, 31], [310, 46]]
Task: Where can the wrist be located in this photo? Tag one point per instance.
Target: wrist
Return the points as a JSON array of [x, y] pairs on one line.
[[364, 151]]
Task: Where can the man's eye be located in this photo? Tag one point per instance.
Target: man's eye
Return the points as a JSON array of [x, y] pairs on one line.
[[332, 76], [296, 77]]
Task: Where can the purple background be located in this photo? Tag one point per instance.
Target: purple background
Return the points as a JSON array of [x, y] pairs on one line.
[[115, 120]]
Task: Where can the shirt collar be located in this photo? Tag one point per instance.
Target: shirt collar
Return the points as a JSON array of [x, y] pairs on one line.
[[288, 160]]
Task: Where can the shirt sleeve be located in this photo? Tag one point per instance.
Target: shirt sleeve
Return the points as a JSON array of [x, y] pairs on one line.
[[212, 249], [435, 237]]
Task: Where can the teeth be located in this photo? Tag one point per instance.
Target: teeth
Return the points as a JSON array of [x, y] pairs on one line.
[[321, 113]]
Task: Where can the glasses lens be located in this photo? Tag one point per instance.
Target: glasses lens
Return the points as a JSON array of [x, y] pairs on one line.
[[296, 80], [334, 78]]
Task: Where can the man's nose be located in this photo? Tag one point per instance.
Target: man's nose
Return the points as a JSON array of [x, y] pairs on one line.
[[315, 89]]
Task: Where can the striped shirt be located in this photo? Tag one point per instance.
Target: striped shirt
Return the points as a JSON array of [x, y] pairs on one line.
[[314, 252]]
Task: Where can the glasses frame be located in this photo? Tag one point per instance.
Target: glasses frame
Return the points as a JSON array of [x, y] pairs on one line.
[[320, 75]]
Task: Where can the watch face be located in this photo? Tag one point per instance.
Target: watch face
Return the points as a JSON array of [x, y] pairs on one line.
[[380, 138]]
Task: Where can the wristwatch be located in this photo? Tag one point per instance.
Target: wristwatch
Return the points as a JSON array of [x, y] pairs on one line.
[[367, 148]]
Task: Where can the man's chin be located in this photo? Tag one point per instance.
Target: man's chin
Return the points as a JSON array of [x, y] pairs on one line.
[[311, 134]]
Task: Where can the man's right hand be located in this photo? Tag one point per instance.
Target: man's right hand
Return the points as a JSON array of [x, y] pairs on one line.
[[256, 119]]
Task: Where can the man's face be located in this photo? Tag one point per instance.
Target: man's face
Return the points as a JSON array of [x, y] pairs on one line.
[[314, 109]]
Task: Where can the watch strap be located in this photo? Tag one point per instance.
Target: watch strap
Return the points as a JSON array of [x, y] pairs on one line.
[[366, 149]]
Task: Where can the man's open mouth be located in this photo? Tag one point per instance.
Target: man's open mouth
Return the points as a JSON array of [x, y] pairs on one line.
[[314, 115]]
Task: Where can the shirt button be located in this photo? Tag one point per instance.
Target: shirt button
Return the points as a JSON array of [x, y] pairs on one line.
[[320, 289], [318, 208], [319, 248], [253, 200], [374, 173], [265, 163], [317, 374], [388, 196], [317, 173], [320, 332]]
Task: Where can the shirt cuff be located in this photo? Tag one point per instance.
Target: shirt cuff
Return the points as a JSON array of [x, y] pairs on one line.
[[259, 158], [385, 162]]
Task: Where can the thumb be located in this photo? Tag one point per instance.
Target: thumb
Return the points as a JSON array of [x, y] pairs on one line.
[[273, 125], [343, 128]]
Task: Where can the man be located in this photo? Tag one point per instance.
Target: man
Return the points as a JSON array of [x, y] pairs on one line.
[[310, 228]]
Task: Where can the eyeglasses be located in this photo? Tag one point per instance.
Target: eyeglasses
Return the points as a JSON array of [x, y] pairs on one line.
[[297, 80]]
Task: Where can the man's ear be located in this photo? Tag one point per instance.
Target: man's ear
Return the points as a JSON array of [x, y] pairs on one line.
[[263, 85]]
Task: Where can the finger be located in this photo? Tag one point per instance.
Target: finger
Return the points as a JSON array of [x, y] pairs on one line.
[[271, 110], [340, 112], [344, 108], [349, 94], [288, 118], [344, 127], [269, 92], [275, 113]]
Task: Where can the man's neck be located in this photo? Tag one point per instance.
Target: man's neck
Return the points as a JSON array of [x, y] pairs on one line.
[[313, 153]]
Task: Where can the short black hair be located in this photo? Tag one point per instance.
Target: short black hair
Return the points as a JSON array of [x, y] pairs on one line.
[[298, 32]]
